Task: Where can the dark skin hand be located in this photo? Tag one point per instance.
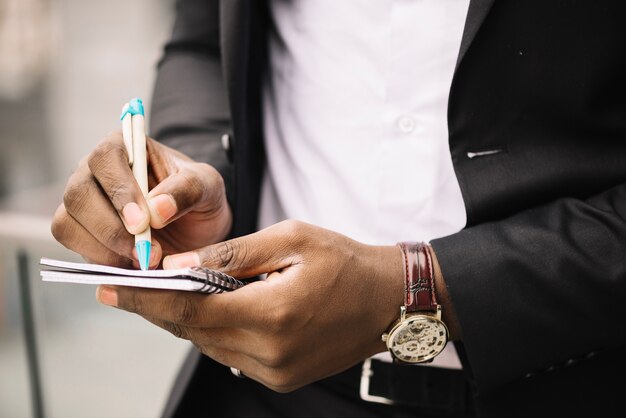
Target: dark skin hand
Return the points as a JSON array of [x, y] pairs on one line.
[[322, 308], [103, 206], [325, 303]]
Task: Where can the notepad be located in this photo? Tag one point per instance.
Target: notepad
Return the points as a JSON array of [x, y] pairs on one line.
[[195, 279]]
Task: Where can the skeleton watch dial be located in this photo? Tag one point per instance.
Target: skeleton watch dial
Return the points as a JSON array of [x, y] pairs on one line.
[[417, 339]]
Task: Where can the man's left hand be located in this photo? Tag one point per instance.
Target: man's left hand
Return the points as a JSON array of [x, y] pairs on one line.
[[322, 308]]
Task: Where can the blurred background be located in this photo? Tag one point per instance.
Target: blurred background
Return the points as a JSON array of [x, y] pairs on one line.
[[66, 69]]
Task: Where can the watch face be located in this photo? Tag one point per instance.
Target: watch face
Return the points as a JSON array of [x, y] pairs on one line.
[[417, 339]]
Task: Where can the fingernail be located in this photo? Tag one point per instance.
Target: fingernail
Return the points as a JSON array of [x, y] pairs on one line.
[[133, 215], [106, 296], [180, 261], [164, 206], [155, 255]]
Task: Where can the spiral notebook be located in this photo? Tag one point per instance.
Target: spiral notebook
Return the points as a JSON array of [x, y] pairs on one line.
[[195, 279]]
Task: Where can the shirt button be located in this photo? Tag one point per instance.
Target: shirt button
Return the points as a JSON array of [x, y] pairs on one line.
[[226, 142], [406, 124]]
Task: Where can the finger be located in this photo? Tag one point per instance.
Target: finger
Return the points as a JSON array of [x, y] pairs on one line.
[[177, 307], [248, 366], [177, 330], [163, 160], [231, 339], [73, 236], [278, 379], [232, 309], [235, 348], [109, 165], [194, 187], [85, 202], [268, 250]]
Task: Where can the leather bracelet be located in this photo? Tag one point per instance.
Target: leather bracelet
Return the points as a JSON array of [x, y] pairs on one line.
[[419, 286], [419, 335]]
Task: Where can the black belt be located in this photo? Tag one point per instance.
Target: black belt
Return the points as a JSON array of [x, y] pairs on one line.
[[429, 389]]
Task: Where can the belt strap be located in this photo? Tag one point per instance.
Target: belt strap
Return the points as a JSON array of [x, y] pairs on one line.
[[432, 388]]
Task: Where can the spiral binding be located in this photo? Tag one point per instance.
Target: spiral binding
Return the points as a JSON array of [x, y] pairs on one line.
[[216, 281]]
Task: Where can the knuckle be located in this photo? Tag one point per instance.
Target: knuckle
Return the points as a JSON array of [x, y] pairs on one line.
[[111, 235], [275, 357], [58, 230], [76, 193], [132, 304], [103, 162], [291, 226], [282, 381], [210, 176], [277, 352], [117, 192], [175, 329], [193, 185], [215, 354], [103, 153], [281, 318], [60, 227], [112, 259], [184, 310], [284, 388], [293, 231], [190, 190], [228, 254]]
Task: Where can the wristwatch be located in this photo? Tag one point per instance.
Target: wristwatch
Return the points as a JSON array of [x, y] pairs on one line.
[[420, 334]]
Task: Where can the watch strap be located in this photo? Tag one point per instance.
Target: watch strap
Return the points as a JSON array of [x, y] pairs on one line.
[[419, 289]]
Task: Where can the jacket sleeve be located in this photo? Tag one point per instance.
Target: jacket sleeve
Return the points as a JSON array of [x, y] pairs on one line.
[[189, 109], [540, 290]]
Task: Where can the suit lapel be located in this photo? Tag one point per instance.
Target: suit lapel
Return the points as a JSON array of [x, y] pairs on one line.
[[476, 14], [234, 36]]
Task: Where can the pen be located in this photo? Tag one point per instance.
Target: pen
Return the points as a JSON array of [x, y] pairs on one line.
[[133, 131]]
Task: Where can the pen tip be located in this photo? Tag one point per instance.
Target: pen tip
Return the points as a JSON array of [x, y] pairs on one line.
[[143, 253]]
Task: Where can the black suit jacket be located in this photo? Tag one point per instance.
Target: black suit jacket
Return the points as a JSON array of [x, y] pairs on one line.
[[537, 133]]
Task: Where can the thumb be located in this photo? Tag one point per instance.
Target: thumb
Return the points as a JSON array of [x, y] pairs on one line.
[[194, 187], [268, 250]]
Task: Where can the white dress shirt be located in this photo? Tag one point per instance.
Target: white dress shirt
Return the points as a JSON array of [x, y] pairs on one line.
[[355, 120]]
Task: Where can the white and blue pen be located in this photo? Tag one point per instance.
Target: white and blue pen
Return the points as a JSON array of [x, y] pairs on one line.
[[133, 130]]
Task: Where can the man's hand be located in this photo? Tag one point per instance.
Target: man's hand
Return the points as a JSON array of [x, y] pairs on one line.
[[103, 205], [323, 307]]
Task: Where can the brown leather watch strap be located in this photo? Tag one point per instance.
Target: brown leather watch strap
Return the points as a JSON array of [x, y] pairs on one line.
[[419, 289]]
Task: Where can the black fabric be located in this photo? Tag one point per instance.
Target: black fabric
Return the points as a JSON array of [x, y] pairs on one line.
[[544, 248], [590, 386], [224, 395], [432, 389], [242, 29], [476, 14]]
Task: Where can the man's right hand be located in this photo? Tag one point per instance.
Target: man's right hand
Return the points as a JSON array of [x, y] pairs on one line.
[[103, 206]]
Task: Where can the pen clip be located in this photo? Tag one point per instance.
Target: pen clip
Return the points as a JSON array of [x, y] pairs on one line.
[[127, 132]]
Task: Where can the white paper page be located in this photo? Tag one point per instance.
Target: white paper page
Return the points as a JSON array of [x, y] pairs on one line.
[[190, 279]]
